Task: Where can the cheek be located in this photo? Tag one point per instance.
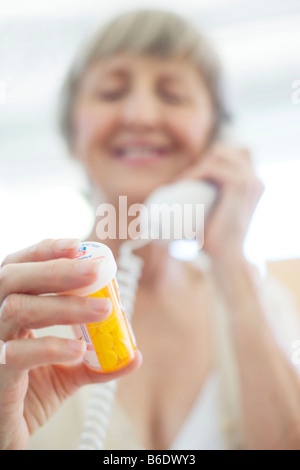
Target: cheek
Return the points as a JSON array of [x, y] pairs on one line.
[[90, 130], [192, 131]]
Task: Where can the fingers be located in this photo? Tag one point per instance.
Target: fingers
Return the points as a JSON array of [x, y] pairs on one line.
[[131, 367], [21, 312], [45, 250], [227, 166], [220, 148], [46, 277], [236, 159], [27, 354], [224, 173]]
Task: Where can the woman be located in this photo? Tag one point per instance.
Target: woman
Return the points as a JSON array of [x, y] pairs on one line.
[[142, 108]]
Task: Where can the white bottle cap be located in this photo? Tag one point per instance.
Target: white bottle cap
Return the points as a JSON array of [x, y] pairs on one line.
[[107, 267]]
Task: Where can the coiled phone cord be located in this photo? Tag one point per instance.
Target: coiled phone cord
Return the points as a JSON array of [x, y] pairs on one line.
[[102, 395]]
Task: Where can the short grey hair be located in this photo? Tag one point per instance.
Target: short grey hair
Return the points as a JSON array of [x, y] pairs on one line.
[[152, 33]]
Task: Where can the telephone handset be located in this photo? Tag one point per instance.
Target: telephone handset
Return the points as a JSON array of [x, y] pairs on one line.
[[187, 203]]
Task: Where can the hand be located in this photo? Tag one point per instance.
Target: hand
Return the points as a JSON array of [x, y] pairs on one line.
[[40, 373], [231, 169]]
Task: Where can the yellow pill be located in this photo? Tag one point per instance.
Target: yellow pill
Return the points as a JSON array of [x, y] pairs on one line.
[[103, 342], [121, 348], [109, 325], [119, 332], [107, 359]]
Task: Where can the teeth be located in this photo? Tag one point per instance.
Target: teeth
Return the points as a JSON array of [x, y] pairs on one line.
[[136, 153]]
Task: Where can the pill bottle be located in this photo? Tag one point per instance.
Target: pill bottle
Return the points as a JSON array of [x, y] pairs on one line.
[[110, 343]]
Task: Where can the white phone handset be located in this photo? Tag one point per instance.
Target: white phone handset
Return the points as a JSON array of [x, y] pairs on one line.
[[178, 210]]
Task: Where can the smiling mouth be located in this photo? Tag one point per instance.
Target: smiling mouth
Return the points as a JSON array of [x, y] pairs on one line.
[[137, 155]]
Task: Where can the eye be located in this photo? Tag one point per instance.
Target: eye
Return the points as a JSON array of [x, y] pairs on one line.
[[110, 95], [173, 97]]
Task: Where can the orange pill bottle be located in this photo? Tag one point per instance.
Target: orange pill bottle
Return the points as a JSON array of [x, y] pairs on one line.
[[110, 343]]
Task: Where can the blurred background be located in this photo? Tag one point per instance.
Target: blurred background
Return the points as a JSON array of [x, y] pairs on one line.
[[42, 190]]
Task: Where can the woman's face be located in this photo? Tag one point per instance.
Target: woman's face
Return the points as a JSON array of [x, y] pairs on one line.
[[138, 122]]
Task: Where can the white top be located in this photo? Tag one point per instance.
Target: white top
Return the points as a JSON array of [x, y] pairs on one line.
[[201, 430]]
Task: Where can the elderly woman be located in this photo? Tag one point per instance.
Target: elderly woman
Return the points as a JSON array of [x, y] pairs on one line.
[[141, 108]]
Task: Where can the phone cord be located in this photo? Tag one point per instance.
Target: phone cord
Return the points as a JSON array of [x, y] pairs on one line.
[[102, 395]]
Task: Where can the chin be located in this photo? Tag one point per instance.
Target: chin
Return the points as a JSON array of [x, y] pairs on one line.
[[136, 191], [134, 195]]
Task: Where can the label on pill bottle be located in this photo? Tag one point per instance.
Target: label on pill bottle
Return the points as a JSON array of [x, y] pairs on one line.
[[90, 357]]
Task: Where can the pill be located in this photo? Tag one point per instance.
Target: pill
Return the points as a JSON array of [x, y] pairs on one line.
[[109, 325], [121, 348], [104, 341], [119, 332], [107, 359]]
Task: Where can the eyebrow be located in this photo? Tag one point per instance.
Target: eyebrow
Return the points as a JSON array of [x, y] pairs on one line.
[[165, 78], [113, 66], [172, 78], [115, 72]]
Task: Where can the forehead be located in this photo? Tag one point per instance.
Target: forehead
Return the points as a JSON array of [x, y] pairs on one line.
[[126, 65]]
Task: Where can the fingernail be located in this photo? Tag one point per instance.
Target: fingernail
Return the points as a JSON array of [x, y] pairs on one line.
[[87, 266], [78, 346], [100, 304], [67, 243]]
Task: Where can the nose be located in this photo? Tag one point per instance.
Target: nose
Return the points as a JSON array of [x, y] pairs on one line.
[[141, 110]]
